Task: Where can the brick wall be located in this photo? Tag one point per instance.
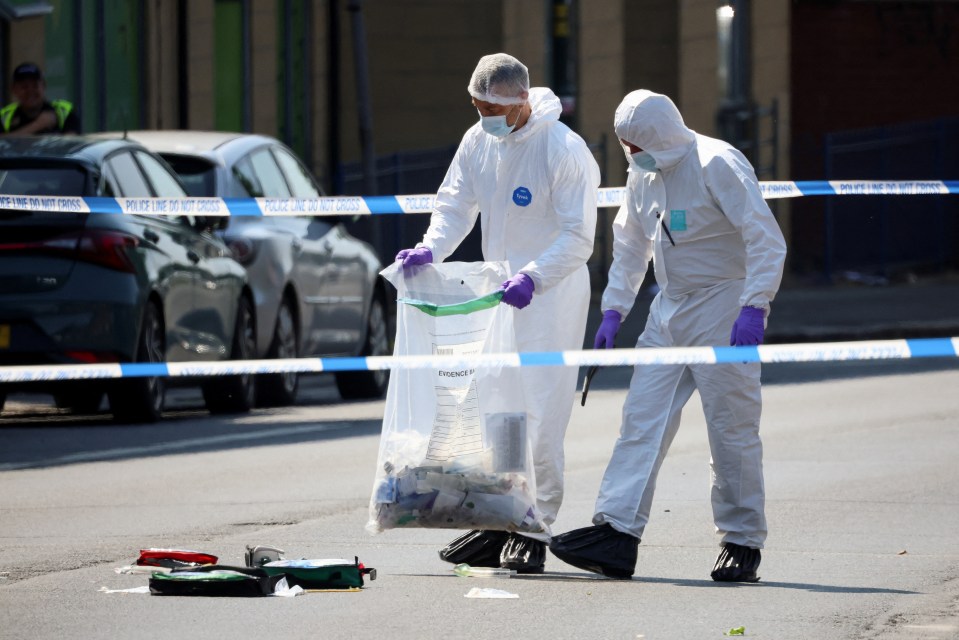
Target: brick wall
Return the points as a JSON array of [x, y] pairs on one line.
[[602, 69], [651, 54], [698, 65], [264, 83], [524, 36], [161, 84], [421, 54], [26, 45], [770, 81], [200, 65]]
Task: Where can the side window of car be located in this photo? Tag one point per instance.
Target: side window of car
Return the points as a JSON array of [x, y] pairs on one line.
[[301, 182], [164, 183], [127, 179], [269, 175], [107, 184], [246, 178]]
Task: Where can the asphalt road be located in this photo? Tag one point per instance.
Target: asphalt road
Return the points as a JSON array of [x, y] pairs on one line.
[[863, 507]]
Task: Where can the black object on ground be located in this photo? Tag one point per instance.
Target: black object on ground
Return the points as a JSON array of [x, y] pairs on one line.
[[524, 555], [736, 563], [475, 548], [600, 549]]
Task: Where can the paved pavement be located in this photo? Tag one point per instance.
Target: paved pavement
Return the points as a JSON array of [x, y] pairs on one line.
[[928, 308]]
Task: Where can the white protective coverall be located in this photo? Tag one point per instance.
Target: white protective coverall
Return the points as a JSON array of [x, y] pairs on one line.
[[728, 253], [535, 190]]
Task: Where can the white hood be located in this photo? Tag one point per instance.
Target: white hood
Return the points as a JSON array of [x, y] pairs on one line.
[[653, 123], [545, 106]]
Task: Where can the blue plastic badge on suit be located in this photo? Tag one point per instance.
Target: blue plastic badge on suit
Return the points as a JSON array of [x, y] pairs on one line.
[[677, 219], [522, 196]]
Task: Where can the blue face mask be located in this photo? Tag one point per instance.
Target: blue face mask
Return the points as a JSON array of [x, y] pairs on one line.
[[496, 125], [642, 160]]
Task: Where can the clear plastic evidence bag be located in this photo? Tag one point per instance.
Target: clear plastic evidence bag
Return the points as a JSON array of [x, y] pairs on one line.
[[454, 449]]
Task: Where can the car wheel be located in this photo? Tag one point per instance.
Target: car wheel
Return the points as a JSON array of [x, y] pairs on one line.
[[235, 394], [355, 385], [79, 398], [141, 399], [279, 389]]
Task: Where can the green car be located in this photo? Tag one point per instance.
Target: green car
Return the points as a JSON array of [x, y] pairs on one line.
[[97, 288]]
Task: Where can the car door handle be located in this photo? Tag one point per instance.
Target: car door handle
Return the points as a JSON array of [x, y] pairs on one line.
[[151, 235], [193, 256]]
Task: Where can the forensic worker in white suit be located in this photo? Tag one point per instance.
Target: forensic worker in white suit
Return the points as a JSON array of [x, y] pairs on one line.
[[533, 183], [694, 207]]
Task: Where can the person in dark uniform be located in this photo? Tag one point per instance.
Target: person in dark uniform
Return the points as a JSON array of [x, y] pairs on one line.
[[31, 113]]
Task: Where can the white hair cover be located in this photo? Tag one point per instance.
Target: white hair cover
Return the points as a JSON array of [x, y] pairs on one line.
[[501, 79]]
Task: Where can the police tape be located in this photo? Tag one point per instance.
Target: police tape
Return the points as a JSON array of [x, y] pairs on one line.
[[421, 203], [809, 352]]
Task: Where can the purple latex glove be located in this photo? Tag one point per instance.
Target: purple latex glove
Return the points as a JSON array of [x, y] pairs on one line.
[[749, 328], [411, 257], [608, 328], [518, 290]]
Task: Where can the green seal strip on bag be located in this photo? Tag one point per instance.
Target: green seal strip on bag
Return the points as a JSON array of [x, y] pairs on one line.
[[488, 301]]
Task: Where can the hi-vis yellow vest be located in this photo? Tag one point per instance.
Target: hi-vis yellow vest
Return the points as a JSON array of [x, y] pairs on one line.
[[61, 107]]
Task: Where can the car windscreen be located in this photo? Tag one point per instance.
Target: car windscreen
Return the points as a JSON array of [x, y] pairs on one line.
[[196, 174], [42, 181]]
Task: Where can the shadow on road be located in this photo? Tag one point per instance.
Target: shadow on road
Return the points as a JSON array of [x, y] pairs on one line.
[[33, 448], [38, 435], [562, 576], [816, 588]]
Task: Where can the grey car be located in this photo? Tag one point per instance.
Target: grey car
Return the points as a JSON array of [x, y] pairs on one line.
[[316, 287], [97, 288]]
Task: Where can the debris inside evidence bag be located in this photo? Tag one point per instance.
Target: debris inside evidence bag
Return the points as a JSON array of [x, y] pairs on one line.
[[429, 497]]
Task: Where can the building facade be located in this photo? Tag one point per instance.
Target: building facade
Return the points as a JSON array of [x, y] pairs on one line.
[[370, 92]]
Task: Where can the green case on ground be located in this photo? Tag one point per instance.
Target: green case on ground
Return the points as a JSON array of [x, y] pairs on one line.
[[214, 580], [321, 574]]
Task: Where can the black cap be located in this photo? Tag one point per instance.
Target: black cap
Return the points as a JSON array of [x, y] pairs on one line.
[[27, 70]]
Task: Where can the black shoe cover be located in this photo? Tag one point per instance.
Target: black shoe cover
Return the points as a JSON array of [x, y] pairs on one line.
[[736, 563], [600, 549], [525, 555], [476, 548]]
